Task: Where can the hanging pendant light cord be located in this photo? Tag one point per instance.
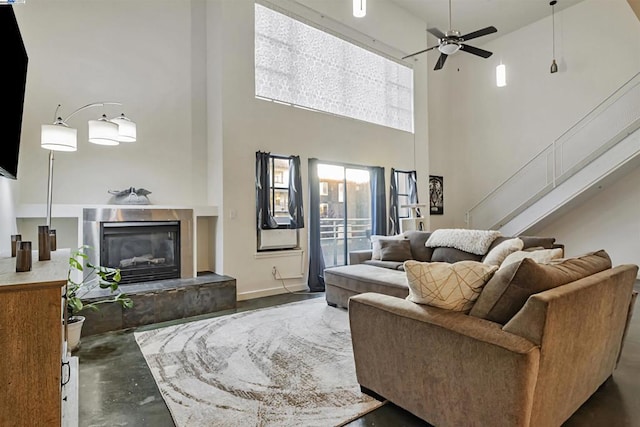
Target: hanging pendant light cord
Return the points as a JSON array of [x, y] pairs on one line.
[[553, 24], [449, 14]]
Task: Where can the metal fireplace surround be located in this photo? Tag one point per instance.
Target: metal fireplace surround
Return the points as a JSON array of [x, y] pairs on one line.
[[94, 218]]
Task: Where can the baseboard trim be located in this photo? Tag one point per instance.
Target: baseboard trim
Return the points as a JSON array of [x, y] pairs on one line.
[[294, 287]]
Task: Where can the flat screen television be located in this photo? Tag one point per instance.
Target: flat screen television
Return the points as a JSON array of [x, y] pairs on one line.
[[13, 79]]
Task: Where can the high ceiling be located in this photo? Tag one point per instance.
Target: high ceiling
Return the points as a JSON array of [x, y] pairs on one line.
[[471, 15]]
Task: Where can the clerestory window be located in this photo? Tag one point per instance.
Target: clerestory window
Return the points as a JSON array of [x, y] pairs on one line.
[[301, 65]]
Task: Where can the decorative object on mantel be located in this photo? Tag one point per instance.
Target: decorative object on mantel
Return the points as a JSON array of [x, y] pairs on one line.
[[23, 257], [93, 275], [15, 238], [60, 137], [130, 196]]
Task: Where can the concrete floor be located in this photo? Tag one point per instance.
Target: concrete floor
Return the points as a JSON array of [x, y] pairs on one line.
[[117, 388]]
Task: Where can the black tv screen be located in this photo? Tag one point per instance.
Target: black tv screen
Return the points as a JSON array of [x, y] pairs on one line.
[[13, 78]]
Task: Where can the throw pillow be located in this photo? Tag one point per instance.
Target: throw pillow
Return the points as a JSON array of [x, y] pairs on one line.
[[542, 256], [500, 252], [395, 250], [450, 286], [511, 286], [375, 244], [473, 241]]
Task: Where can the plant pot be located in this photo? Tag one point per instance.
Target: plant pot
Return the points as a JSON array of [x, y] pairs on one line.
[[74, 329]]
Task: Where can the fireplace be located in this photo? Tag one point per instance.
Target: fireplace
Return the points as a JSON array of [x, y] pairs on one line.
[[145, 243], [143, 251]]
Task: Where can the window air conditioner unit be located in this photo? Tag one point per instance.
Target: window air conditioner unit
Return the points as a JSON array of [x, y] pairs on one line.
[[278, 238]]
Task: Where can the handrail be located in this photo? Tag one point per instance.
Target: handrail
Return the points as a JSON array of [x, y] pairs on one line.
[[553, 152]]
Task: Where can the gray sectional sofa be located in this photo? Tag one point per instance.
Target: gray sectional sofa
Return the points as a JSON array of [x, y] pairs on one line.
[[387, 277]]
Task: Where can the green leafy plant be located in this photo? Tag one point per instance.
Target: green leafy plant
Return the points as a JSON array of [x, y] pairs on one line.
[[92, 276]]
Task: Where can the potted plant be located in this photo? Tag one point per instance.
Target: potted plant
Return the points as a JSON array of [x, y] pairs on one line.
[[90, 276]]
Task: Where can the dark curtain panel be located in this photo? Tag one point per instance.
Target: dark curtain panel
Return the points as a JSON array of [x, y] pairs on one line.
[[263, 187], [394, 220], [295, 194], [413, 189], [378, 202], [316, 258]]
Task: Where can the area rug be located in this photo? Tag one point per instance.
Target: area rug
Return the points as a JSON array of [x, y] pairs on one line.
[[288, 365]]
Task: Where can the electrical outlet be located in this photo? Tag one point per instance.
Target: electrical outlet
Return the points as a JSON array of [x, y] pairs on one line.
[[274, 270]]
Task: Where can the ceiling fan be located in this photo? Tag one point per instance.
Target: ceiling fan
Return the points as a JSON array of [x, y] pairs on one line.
[[451, 41]]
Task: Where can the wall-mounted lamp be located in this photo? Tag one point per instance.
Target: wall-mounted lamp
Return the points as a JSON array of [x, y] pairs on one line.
[[501, 75], [359, 8], [60, 137], [554, 66]]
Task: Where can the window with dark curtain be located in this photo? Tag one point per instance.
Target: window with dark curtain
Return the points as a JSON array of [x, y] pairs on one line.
[[403, 191], [278, 191], [378, 202]]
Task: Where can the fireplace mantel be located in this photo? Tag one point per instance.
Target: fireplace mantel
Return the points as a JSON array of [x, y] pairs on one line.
[[73, 215]]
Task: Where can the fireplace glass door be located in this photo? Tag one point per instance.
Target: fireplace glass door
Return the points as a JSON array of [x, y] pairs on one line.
[[143, 251]]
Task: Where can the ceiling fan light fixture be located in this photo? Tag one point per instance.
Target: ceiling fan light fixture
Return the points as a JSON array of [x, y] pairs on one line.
[[449, 48]]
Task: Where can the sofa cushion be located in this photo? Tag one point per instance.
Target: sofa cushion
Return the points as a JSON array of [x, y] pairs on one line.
[[531, 241], [361, 278], [473, 241], [395, 250], [510, 287], [375, 243], [450, 286], [418, 249], [496, 255], [394, 265], [541, 256], [452, 255]]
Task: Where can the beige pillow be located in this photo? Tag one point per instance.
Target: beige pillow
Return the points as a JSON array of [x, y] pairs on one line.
[[375, 244], [450, 286], [500, 252], [541, 256]]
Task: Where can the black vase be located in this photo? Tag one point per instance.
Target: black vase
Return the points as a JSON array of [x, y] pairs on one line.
[[44, 247]]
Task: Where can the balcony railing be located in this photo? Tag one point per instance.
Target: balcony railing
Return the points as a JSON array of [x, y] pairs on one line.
[[335, 232], [602, 128]]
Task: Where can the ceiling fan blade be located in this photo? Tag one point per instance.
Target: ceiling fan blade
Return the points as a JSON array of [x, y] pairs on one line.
[[436, 32], [441, 61], [476, 51], [418, 53], [479, 33]]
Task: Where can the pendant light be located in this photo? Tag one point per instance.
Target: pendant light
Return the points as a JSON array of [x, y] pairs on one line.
[[554, 66], [359, 8]]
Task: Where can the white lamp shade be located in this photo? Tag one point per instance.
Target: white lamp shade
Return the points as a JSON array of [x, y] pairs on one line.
[[449, 48], [59, 137], [359, 8], [127, 130], [103, 132]]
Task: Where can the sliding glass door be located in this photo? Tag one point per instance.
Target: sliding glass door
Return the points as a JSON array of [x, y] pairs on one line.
[[345, 211]]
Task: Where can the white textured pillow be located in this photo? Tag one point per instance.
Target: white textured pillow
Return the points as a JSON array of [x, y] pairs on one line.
[[450, 286], [375, 244], [501, 251], [542, 256], [472, 241]]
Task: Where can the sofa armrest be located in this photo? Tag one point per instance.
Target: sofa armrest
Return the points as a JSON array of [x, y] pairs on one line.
[[358, 257], [423, 358]]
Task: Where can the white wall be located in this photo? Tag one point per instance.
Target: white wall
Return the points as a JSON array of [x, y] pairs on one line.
[[8, 195], [489, 132], [249, 125], [609, 220], [140, 53]]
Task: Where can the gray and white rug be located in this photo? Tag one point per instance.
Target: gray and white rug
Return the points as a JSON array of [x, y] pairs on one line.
[[289, 365]]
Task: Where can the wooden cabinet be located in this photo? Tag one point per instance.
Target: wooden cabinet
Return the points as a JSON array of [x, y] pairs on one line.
[[31, 341]]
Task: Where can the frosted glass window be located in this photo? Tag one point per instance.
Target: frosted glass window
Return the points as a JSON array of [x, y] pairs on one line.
[[301, 65]]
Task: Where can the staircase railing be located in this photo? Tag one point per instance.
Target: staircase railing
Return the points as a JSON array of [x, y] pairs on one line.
[[602, 128]]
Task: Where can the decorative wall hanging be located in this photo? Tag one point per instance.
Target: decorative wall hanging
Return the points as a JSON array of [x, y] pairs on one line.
[[436, 195]]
